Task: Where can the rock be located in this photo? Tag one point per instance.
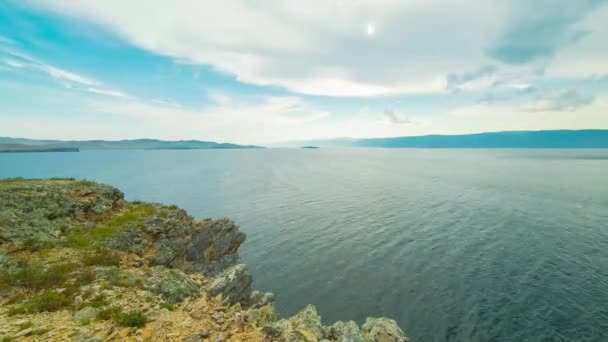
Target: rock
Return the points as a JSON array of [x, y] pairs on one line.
[[31, 211], [86, 314], [147, 334], [305, 326], [261, 316], [383, 330], [198, 336], [344, 332], [25, 332], [259, 299], [173, 284], [234, 285]]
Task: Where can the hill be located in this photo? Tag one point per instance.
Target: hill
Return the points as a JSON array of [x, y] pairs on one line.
[[136, 144], [590, 138]]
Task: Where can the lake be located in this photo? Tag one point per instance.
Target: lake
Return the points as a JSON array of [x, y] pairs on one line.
[[456, 245]]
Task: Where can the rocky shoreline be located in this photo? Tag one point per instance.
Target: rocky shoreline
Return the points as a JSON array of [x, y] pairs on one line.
[[79, 263]]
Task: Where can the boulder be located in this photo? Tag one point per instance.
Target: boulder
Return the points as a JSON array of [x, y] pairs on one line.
[[171, 283], [233, 284], [344, 332], [85, 314], [259, 299], [305, 326], [383, 330]]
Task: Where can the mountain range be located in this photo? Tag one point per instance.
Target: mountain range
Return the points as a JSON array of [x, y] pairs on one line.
[[30, 145], [589, 138]]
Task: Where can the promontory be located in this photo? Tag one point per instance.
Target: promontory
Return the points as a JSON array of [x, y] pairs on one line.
[[80, 263]]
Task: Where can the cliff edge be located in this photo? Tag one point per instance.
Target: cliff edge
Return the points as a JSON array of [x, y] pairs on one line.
[[79, 263]]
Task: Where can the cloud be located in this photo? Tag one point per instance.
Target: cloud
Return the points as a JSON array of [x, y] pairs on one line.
[[393, 118], [13, 63], [314, 47], [107, 92], [538, 29], [568, 100], [64, 75], [67, 78], [469, 79]]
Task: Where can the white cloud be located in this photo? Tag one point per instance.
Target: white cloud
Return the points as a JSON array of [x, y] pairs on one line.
[[488, 118], [107, 92], [67, 78], [313, 47], [13, 63], [240, 121], [64, 75]]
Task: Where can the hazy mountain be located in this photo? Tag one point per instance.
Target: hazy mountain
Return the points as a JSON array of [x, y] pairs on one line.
[[590, 138], [137, 144]]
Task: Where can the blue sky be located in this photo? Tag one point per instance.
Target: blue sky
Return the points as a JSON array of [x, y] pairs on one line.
[[272, 71]]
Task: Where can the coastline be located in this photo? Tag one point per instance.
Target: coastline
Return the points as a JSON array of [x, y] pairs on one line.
[[183, 277]]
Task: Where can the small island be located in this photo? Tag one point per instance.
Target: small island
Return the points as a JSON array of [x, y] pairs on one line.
[[80, 263], [310, 147]]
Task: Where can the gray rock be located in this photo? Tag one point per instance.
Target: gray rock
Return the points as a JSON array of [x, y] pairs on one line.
[[383, 330], [234, 284], [86, 314], [92, 339], [259, 299], [171, 283], [34, 210], [261, 316], [344, 332], [305, 326]]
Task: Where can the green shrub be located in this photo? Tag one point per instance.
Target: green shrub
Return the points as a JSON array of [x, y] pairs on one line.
[[102, 257], [46, 301], [131, 319], [35, 244], [85, 276], [36, 277], [108, 313], [168, 306], [134, 216], [98, 301], [25, 325], [85, 182]]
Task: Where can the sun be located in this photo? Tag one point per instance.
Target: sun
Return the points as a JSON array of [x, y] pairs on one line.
[[370, 29]]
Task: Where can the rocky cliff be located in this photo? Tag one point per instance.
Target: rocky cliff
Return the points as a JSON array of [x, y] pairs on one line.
[[79, 263]]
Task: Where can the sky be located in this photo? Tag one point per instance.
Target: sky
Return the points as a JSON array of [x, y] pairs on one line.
[[264, 72]]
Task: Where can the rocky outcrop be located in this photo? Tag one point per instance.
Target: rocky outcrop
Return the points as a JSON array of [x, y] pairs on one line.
[[344, 332], [383, 329], [306, 326], [175, 286], [233, 285], [111, 265], [43, 210], [173, 239]]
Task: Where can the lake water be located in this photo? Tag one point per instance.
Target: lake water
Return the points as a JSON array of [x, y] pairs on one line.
[[456, 245]]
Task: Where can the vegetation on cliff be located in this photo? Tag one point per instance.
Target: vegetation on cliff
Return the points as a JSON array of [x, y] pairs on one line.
[[79, 263]]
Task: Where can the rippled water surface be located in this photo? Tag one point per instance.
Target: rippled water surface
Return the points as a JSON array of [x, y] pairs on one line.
[[456, 245]]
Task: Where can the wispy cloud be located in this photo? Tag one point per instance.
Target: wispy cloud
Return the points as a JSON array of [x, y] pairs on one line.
[[470, 79], [64, 75], [68, 78], [13, 63], [107, 92], [568, 100], [539, 30], [393, 118]]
